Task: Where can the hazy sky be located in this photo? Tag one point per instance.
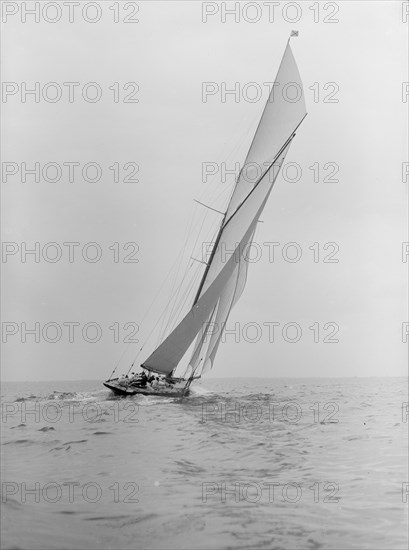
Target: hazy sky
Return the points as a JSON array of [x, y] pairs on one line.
[[359, 59]]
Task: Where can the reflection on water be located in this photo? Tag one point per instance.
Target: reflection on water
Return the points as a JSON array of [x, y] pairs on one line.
[[274, 464]]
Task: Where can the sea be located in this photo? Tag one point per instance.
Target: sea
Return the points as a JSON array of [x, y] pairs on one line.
[[240, 463]]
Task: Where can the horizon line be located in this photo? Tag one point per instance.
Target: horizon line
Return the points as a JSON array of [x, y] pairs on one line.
[[219, 378]]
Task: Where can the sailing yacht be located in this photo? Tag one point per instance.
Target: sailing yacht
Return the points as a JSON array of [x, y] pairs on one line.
[[223, 280]]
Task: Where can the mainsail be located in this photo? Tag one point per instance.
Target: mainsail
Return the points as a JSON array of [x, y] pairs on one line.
[[225, 275]]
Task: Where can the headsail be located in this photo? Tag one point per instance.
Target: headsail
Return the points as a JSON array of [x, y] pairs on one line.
[[225, 275]]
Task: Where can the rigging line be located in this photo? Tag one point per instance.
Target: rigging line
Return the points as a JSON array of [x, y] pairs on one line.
[[207, 206], [188, 226], [184, 298], [235, 151], [213, 252], [167, 319], [171, 304], [225, 190], [198, 235], [212, 200], [175, 303], [145, 342], [184, 277], [158, 292], [180, 260], [210, 234], [148, 337], [211, 190], [196, 260], [238, 144], [210, 196], [192, 230], [243, 138], [176, 306], [172, 322]]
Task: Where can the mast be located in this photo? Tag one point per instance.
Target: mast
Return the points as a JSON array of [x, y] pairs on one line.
[[213, 252]]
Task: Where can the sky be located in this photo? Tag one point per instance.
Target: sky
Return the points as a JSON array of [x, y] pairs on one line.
[[346, 213]]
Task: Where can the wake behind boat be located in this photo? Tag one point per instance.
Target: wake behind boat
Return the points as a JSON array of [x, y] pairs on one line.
[[223, 280]]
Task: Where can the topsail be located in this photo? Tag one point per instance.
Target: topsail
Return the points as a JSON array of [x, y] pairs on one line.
[[225, 275]]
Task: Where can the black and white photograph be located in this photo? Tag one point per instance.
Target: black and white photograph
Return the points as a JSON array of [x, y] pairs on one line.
[[204, 286]]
